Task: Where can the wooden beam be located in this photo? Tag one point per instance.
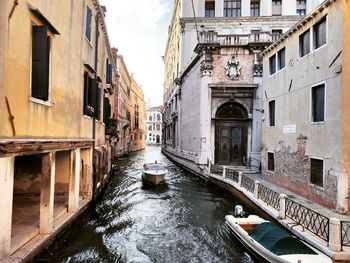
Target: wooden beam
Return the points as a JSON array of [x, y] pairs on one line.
[[47, 193], [12, 148]]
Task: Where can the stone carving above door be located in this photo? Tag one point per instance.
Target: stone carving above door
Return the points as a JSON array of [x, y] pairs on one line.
[[233, 68]]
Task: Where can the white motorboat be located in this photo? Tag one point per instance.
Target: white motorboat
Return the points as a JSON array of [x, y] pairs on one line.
[[271, 243], [154, 173]]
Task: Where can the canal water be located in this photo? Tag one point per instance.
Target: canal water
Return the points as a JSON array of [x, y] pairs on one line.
[[180, 221]]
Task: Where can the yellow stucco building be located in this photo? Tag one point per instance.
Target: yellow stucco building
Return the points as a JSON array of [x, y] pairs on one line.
[[57, 79]]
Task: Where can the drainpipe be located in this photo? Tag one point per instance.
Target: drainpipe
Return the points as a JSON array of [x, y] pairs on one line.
[[94, 117]]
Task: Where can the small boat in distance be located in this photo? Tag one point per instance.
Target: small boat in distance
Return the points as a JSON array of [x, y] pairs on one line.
[[271, 243], [153, 173]]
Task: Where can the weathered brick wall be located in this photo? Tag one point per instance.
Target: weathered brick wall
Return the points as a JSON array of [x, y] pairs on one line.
[[292, 171]]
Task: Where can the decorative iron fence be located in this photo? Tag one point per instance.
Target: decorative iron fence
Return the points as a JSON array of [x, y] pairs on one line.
[[248, 184], [311, 220], [216, 169], [345, 234], [232, 175], [269, 196]]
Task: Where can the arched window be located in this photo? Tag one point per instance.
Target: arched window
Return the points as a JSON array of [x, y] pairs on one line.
[[158, 127], [231, 110], [158, 117]]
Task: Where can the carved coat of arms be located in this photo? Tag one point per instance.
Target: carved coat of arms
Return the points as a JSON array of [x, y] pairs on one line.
[[233, 68]]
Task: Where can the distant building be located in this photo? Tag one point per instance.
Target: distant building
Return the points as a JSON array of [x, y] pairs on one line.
[[213, 78], [154, 125], [305, 141]]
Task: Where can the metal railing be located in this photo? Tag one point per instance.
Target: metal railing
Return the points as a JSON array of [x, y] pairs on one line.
[[311, 220], [248, 184], [216, 169], [269, 196], [232, 175], [345, 234]]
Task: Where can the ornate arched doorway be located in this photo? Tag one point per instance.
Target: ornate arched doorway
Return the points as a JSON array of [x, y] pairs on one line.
[[231, 134]]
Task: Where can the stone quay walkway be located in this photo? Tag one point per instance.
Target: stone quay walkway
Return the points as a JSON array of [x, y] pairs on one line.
[[319, 226]]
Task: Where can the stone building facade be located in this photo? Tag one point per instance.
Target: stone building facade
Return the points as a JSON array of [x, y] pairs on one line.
[[57, 79], [154, 125], [213, 79], [305, 145]]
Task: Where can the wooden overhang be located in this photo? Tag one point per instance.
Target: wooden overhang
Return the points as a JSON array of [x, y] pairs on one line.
[[30, 147]]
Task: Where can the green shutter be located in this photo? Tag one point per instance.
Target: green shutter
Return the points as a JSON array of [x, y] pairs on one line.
[[40, 62]]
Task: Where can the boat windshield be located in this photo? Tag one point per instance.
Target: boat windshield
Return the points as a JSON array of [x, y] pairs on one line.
[[278, 240], [153, 166]]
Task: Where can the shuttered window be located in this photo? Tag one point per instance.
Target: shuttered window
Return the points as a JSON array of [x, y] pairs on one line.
[[281, 58], [316, 172], [88, 23], [40, 62], [304, 43], [91, 97], [320, 33], [318, 104], [272, 113], [272, 64]]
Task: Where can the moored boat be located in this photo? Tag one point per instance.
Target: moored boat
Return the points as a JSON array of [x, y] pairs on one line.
[[153, 173], [271, 243]]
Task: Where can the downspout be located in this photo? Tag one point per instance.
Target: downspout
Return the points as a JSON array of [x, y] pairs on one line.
[[94, 116]]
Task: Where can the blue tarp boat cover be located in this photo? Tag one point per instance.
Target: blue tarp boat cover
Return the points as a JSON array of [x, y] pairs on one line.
[[278, 240]]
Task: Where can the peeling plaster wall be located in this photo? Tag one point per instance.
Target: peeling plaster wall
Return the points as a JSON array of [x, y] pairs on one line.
[[291, 90]]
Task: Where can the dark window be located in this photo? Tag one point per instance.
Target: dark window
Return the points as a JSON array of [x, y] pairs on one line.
[[40, 62], [276, 34], [320, 33], [272, 112], [273, 64], [88, 23], [281, 58], [108, 72], [255, 8], [106, 110], [316, 172], [318, 103], [301, 7], [276, 7], [271, 161], [304, 43], [232, 8], [209, 10]]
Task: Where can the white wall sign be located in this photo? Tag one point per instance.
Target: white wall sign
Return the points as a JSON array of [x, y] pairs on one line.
[[289, 128]]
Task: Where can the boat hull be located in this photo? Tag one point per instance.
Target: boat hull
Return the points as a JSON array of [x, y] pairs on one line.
[[153, 177], [264, 255]]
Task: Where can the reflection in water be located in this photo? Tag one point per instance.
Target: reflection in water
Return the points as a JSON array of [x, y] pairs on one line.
[[179, 221]]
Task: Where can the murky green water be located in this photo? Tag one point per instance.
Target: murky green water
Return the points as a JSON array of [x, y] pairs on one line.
[[181, 221]]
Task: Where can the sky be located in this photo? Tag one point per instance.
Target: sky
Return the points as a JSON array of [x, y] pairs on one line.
[[139, 30]]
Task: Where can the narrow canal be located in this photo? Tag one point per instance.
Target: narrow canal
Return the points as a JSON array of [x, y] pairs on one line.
[[181, 221]]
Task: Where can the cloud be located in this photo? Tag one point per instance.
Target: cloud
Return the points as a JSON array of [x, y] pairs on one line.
[[139, 28]]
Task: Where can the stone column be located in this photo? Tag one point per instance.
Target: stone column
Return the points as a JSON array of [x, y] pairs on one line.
[[334, 234], [47, 193], [219, 8], [256, 189], [224, 173], [6, 201], [74, 178], [240, 175], [282, 210], [342, 192], [206, 70], [245, 8]]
